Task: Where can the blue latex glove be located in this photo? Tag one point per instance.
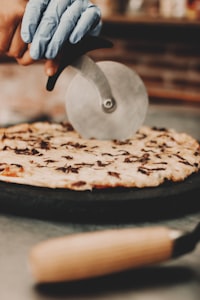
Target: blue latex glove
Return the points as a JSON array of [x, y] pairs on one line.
[[47, 24]]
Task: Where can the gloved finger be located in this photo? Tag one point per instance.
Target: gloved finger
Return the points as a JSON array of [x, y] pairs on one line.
[[67, 23], [31, 19], [97, 26], [48, 25], [96, 30], [89, 23], [17, 46]]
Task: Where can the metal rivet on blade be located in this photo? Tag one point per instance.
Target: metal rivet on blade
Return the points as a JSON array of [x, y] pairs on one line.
[[109, 105]]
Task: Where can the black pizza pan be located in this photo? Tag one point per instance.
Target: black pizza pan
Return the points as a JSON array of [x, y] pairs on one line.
[[102, 205]]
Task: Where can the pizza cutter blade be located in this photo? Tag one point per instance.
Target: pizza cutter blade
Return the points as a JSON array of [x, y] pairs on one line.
[[105, 100]]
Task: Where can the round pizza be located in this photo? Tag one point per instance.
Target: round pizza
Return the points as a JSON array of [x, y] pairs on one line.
[[53, 155]]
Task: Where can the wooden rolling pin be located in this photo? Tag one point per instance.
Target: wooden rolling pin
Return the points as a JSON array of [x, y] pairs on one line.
[[91, 254]]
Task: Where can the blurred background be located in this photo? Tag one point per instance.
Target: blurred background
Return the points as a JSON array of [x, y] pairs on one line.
[[159, 39]]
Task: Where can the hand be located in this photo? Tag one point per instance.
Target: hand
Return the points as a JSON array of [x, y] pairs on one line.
[[11, 14], [47, 24], [11, 43]]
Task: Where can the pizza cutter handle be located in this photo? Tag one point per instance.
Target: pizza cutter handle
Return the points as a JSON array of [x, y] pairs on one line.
[[92, 254], [71, 52]]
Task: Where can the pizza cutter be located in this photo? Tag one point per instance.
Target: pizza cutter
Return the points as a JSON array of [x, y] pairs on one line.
[[104, 100]]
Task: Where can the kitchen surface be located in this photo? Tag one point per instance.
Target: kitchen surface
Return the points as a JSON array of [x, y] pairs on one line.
[[179, 279], [169, 64]]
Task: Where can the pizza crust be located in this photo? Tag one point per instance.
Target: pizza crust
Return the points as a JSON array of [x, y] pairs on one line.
[[54, 155]]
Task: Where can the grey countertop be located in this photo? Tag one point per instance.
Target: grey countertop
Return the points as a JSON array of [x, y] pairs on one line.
[[177, 279]]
